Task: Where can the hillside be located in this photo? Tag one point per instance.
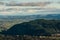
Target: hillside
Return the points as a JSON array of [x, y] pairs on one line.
[[7, 21], [35, 27]]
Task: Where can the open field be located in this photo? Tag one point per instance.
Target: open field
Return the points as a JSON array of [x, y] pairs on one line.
[[6, 24]]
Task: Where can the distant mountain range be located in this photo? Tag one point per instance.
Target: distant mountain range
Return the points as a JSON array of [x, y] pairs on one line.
[[32, 17]]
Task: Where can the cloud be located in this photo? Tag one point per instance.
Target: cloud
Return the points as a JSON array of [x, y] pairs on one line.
[[29, 11], [32, 0], [53, 5]]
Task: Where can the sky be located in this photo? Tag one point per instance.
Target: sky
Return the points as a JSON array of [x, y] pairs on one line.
[[32, 0], [52, 5]]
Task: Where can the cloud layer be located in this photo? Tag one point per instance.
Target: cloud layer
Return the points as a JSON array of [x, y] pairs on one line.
[[52, 8]]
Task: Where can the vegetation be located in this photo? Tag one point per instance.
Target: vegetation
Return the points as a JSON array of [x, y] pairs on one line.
[[27, 37], [39, 27]]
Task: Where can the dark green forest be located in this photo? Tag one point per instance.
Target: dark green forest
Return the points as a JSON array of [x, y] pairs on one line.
[[39, 27]]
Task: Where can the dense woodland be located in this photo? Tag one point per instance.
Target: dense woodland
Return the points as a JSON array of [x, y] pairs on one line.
[[39, 27]]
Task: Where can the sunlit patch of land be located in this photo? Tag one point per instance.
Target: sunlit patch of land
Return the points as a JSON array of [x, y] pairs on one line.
[[6, 24]]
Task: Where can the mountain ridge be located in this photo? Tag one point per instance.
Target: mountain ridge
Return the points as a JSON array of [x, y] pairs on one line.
[[39, 27], [48, 16]]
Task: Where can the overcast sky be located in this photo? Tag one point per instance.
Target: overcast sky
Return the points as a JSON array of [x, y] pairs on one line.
[[29, 12], [31, 0]]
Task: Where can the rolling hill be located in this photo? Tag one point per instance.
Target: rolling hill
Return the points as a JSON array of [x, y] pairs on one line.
[[36, 27]]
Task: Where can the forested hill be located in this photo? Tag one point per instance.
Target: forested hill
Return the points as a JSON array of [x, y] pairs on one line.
[[35, 27]]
